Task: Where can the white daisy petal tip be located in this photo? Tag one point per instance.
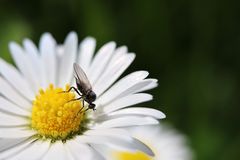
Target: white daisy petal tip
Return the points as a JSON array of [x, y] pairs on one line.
[[143, 73], [122, 49], [72, 36], [13, 46], [27, 41], [163, 115], [89, 39], [154, 81], [46, 34], [30, 47], [109, 47], [46, 40], [112, 44], [133, 55], [72, 33]]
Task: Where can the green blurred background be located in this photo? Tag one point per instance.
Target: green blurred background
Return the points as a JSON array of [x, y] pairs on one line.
[[192, 47]]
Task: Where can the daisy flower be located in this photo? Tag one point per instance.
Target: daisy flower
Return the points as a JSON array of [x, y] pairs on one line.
[[39, 121], [165, 142]]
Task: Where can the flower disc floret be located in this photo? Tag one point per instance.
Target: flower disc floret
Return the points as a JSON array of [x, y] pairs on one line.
[[55, 114]]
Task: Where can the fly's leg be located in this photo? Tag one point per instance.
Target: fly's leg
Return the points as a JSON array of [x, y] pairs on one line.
[[75, 99], [84, 110], [68, 90], [81, 108], [88, 109], [82, 105], [80, 111], [91, 107], [75, 89]]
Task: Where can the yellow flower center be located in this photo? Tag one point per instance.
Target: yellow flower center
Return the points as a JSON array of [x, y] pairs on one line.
[[56, 115], [131, 156]]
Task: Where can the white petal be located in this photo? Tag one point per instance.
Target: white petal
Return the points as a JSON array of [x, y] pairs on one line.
[[69, 155], [142, 147], [127, 101], [6, 106], [67, 59], [111, 141], [126, 121], [107, 152], [135, 88], [35, 59], [97, 155], [112, 132], [118, 53], [112, 73], [139, 111], [115, 143], [95, 139], [86, 51], [56, 151], [17, 132], [10, 93], [24, 64], [34, 151], [152, 85], [31, 51], [80, 151], [103, 150], [10, 152], [10, 143], [122, 85], [48, 57], [131, 90], [100, 61], [16, 79], [10, 120]]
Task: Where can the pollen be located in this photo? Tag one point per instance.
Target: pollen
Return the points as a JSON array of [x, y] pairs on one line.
[[131, 156], [56, 115]]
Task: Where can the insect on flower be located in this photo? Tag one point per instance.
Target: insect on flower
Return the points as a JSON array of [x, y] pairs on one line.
[[84, 88], [56, 129]]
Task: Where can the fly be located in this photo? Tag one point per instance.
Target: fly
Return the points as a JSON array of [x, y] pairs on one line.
[[84, 88]]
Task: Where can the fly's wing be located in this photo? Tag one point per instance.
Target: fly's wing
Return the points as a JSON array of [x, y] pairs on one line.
[[81, 77]]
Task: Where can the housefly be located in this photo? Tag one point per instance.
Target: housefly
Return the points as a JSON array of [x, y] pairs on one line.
[[84, 88]]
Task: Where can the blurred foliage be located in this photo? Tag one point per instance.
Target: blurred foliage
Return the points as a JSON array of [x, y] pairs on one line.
[[192, 47]]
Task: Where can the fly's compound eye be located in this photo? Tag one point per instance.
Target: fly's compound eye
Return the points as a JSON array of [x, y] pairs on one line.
[[91, 96]]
